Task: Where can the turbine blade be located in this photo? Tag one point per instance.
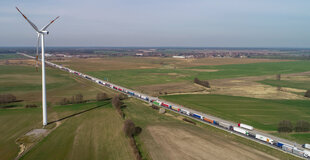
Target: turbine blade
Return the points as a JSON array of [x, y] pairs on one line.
[[44, 28], [33, 25]]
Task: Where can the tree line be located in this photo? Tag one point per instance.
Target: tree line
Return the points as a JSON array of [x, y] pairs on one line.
[[7, 98], [202, 82], [130, 129], [79, 98], [287, 126]]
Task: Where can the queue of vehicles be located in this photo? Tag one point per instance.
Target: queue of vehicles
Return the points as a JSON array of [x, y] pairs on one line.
[[242, 129]]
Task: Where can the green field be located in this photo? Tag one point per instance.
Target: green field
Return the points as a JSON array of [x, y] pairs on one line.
[[14, 123], [95, 134], [11, 56], [139, 77], [260, 113], [287, 83]]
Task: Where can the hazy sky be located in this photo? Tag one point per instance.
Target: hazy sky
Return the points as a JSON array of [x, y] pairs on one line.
[[191, 23]]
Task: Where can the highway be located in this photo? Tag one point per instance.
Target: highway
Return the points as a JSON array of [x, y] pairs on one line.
[[204, 115]]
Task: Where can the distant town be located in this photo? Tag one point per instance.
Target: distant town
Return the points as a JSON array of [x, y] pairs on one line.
[[89, 52]]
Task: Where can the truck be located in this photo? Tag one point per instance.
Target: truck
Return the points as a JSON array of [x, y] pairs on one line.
[[240, 130], [245, 126], [307, 146], [224, 125], [185, 112], [263, 138]]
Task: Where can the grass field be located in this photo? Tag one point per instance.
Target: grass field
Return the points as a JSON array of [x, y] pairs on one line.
[[260, 113], [96, 134], [11, 56], [119, 63], [138, 77], [288, 83], [25, 83], [147, 118], [14, 123]]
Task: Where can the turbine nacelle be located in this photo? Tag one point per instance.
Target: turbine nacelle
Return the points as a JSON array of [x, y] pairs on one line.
[[44, 32]]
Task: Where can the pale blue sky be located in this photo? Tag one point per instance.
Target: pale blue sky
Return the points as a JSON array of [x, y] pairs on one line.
[[191, 23]]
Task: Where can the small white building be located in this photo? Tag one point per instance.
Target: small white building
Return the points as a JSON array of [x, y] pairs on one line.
[[178, 56]]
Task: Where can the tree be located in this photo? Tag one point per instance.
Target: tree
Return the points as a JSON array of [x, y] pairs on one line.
[[7, 98], [102, 96], [31, 106], [122, 96], [203, 83], [138, 130], [79, 98], [64, 101], [116, 102], [307, 94], [285, 126], [196, 80], [129, 128], [302, 126]]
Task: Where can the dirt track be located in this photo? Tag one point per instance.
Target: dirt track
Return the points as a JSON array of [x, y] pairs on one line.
[[172, 143]]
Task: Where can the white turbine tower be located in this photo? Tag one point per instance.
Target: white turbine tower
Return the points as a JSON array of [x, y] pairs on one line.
[[41, 34]]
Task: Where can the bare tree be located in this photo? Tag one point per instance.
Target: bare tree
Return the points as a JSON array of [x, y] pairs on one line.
[[64, 101], [302, 126], [79, 98], [129, 128], [102, 96], [285, 126], [307, 94], [203, 83], [7, 98]]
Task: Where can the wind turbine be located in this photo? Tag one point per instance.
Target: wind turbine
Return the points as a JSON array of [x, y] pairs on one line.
[[41, 34]]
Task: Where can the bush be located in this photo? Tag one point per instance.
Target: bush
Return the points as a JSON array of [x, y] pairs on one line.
[[285, 126], [155, 107], [7, 98], [123, 96], [203, 83], [135, 149], [101, 96], [302, 126], [31, 106], [307, 94], [189, 121], [138, 130]]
